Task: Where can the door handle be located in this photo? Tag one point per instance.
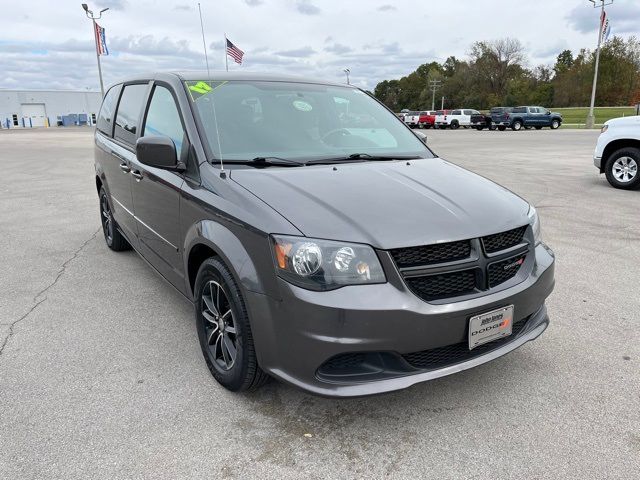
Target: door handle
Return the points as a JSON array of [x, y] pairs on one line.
[[125, 168], [137, 175]]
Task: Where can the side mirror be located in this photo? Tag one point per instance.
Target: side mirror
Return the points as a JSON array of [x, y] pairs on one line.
[[159, 152], [421, 136], [547, 112]]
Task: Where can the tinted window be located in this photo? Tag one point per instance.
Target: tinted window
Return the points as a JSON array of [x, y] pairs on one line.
[[108, 108], [128, 116], [456, 112], [163, 118], [520, 110]]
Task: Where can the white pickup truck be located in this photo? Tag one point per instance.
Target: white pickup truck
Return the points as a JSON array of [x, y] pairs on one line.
[[617, 152], [412, 119], [454, 118]]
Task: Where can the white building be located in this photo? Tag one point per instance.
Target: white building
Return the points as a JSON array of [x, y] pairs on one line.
[[42, 108]]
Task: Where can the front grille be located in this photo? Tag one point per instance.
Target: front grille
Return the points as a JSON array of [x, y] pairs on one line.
[[459, 352], [430, 254], [504, 270], [428, 272], [444, 285], [504, 240]]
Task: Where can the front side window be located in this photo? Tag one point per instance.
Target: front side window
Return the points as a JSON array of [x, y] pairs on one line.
[[129, 111], [108, 108], [163, 118], [300, 121]]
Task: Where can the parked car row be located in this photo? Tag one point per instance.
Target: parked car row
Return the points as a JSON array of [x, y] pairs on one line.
[[500, 118]]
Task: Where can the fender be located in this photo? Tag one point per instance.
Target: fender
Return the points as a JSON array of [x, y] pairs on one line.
[[229, 248]]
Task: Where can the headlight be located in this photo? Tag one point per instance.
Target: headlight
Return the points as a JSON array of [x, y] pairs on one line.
[[325, 264], [534, 221], [604, 128]]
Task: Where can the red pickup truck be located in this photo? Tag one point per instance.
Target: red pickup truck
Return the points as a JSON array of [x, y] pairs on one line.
[[427, 119]]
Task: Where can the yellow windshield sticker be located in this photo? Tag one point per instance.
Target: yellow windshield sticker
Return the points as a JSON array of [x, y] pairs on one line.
[[201, 87]]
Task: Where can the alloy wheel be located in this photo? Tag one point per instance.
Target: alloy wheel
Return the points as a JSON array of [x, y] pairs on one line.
[[107, 218], [625, 169], [219, 326]]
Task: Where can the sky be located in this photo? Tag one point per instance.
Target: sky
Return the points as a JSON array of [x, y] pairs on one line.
[[49, 44]]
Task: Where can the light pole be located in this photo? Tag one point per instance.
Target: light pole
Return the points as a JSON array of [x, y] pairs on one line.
[[347, 72], [603, 3], [434, 84], [93, 18]]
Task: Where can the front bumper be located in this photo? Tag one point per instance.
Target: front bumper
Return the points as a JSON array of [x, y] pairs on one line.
[[597, 162], [297, 334]]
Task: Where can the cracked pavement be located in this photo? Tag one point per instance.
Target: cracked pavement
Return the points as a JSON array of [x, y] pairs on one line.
[[101, 375]]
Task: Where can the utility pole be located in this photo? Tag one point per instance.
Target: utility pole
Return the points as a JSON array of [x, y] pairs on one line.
[[596, 4], [434, 85], [93, 18], [442, 104], [347, 72]]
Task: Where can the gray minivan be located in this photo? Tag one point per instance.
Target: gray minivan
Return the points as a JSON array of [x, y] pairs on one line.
[[319, 239]]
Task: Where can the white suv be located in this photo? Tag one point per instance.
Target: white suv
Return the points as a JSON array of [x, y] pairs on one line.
[[617, 153]]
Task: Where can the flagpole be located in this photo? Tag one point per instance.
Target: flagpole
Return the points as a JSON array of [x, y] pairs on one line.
[[95, 37], [93, 18], [226, 54], [591, 116]]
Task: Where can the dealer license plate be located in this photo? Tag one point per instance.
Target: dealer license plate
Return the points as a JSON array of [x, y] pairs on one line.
[[490, 326]]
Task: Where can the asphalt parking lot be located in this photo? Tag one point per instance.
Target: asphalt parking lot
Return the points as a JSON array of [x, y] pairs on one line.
[[101, 374]]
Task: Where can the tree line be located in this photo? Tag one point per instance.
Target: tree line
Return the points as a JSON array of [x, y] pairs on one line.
[[496, 74]]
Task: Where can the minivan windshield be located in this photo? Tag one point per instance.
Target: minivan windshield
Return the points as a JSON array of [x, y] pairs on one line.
[[243, 120]]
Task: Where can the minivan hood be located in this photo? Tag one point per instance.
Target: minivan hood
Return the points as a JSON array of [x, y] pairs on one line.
[[387, 204]]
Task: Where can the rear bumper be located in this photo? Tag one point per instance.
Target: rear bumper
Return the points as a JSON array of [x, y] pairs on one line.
[[297, 334]]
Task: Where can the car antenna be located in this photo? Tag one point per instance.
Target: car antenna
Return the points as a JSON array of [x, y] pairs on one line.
[[223, 174]]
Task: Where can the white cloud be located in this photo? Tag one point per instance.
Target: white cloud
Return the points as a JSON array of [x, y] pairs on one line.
[[306, 37]]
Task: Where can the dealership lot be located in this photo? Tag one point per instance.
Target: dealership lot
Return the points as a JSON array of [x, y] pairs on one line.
[[101, 374]]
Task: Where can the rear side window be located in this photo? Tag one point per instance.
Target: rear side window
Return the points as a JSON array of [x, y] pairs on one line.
[[163, 118], [456, 112], [520, 110], [108, 108], [128, 116]]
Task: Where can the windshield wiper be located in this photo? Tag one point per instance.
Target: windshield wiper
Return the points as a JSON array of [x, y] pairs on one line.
[[267, 162], [364, 157]]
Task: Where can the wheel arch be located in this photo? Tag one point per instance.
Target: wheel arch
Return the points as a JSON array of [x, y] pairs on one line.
[[207, 239], [614, 146]]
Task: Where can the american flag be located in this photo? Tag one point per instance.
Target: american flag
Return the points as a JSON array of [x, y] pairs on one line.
[[234, 52]]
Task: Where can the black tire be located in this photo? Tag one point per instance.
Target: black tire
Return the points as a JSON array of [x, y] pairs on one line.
[[538, 128], [479, 127], [427, 126], [516, 126], [243, 372], [112, 236], [615, 176], [454, 125], [555, 124], [502, 128]]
